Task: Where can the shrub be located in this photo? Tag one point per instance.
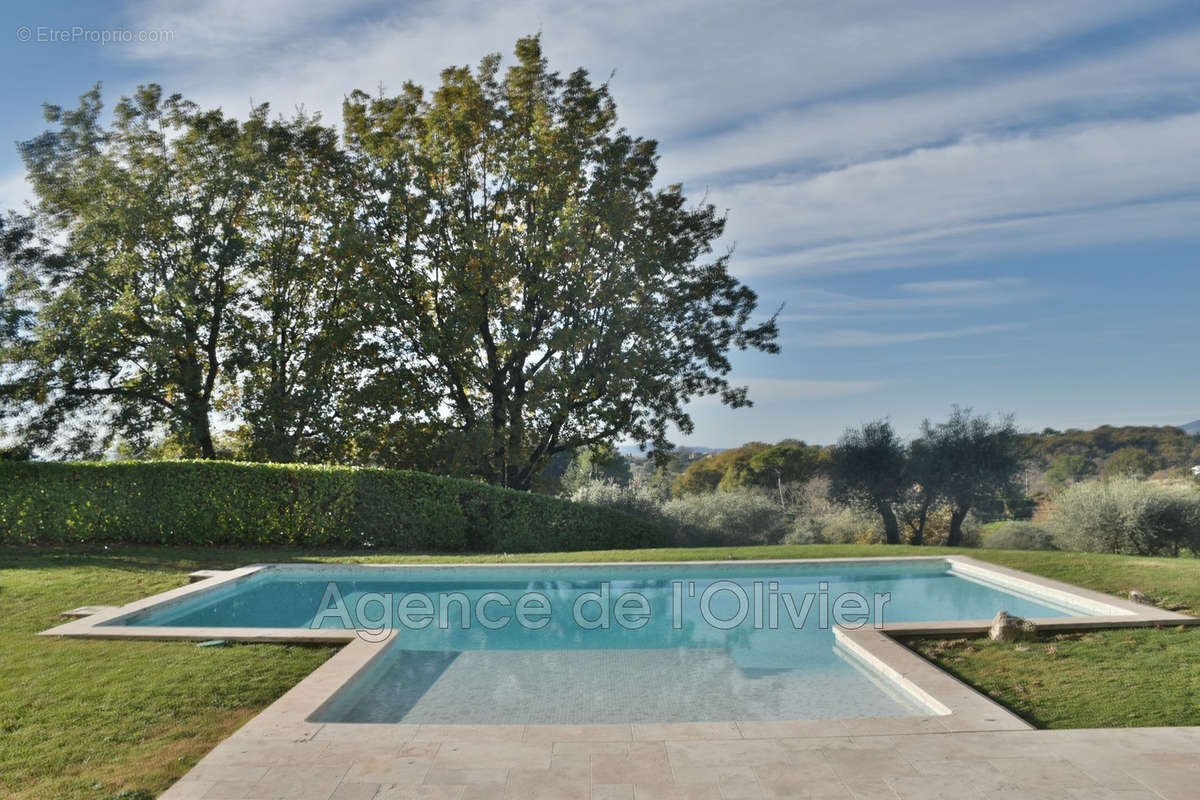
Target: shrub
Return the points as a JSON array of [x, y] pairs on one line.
[[1019, 536], [1129, 462], [837, 526], [937, 527], [239, 504], [1128, 516], [726, 518], [634, 498]]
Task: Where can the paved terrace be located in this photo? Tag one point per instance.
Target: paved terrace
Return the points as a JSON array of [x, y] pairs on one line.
[[722, 760]]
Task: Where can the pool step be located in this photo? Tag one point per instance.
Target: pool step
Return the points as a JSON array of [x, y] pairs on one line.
[[85, 611], [205, 574]]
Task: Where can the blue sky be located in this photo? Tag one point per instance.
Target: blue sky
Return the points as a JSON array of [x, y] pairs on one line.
[[989, 204]]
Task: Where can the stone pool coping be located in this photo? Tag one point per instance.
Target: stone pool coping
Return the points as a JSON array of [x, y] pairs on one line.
[[955, 705], [1121, 612]]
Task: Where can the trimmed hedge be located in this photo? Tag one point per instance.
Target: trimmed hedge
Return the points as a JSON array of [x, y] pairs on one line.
[[240, 504]]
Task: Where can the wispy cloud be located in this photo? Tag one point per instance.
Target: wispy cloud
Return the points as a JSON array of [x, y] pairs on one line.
[[841, 131], [866, 338], [1074, 186], [964, 287], [706, 65], [911, 298], [844, 136]]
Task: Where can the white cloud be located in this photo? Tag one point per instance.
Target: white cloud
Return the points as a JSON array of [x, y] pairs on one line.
[[15, 192], [683, 69], [838, 132], [960, 287], [814, 304], [864, 338], [868, 134], [1073, 187]]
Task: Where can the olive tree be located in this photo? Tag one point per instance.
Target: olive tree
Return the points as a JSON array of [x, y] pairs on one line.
[[868, 469]]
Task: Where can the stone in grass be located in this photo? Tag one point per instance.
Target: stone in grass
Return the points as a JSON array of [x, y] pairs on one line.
[[1007, 628], [1141, 597]]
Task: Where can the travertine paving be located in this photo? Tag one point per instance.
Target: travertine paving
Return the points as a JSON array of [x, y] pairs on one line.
[[726, 760]]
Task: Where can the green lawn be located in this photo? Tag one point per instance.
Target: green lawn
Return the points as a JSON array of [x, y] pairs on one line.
[[1099, 679], [88, 719]]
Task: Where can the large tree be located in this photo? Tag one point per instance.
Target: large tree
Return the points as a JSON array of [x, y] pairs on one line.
[[23, 257], [784, 464], [208, 267], [532, 283], [974, 458], [308, 305], [138, 326], [868, 468]]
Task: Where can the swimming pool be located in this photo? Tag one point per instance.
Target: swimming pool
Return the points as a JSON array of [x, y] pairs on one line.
[[606, 643]]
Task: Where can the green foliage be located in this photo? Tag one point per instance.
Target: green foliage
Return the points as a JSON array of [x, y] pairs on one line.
[[206, 261], [309, 306], [16, 452], [1128, 516], [706, 474], [477, 280], [1129, 462], [221, 503], [596, 463], [1068, 469], [726, 518], [642, 500], [1018, 536], [868, 469], [967, 460], [1173, 447], [939, 528], [784, 464], [546, 295], [735, 517], [837, 526]]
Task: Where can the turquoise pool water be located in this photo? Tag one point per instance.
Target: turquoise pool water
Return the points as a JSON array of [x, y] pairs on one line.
[[605, 643]]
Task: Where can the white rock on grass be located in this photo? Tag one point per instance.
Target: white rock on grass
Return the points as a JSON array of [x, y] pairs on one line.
[[1007, 628]]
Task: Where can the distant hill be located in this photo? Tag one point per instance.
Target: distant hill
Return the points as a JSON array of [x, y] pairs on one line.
[[631, 450], [1192, 427], [1169, 445]]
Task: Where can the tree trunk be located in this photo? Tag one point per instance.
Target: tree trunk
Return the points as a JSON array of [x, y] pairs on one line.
[[956, 521], [519, 478], [891, 528], [207, 451], [199, 430], [922, 518]]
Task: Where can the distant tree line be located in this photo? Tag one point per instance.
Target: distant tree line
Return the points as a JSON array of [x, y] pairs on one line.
[[1146, 449], [480, 280], [960, 464]]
